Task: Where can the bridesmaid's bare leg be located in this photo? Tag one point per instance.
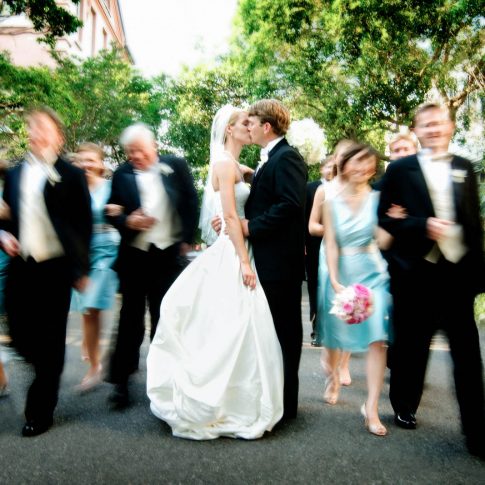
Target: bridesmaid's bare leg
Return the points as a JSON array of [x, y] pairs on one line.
[[376, 366], [92, 331], [344, 371], [332, 383], [3, 378]]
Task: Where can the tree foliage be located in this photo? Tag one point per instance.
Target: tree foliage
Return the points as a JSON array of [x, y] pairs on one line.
[[96, 98], [189, 103], [46, 16], [359, 66]]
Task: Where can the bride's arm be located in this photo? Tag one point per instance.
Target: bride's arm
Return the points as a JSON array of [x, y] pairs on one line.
[[225, 174], [315, 225]]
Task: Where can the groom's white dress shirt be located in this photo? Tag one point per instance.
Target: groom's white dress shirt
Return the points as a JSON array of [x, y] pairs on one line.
[[155, 203], [437, 173], [37, 236], [264, 154]]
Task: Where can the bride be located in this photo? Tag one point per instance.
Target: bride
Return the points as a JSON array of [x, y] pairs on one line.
[[214, 367]]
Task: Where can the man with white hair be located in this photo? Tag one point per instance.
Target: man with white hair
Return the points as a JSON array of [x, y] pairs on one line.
[[153, 204]]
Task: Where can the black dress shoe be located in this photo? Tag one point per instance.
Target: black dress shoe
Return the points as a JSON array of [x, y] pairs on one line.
[[34, 428], [120, 397], [476, 448], [405, 420]]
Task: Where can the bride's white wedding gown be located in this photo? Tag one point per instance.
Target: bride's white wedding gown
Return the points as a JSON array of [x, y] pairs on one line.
[[214, 367]]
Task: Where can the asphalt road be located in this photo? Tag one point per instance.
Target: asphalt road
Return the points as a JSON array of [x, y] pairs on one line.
[[325, 444]]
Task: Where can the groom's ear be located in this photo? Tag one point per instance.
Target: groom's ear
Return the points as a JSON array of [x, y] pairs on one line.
[[267, 128]]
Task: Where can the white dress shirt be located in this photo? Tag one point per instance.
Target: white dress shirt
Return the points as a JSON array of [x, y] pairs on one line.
[[437, 173], [37, 235], [155, 202], [264, 154]]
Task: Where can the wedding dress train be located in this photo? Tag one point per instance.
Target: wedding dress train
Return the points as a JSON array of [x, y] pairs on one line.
[[214, 367]]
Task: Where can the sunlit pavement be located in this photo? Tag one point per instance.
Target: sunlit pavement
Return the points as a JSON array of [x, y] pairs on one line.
[[325, 444]]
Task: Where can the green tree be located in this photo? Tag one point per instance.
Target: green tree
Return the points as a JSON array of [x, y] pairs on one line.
[[46, 16], [96, 98], [361, 66], [188, 105]]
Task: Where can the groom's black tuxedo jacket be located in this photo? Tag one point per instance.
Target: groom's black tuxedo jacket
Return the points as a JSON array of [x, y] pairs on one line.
[[69, 207], [181, 192], [276, 212], [404, 184]]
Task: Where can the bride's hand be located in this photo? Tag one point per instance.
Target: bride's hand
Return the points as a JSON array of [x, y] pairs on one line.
[[248, 275]]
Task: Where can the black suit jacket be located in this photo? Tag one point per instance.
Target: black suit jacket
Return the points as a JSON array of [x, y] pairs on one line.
[[312, 243], [276, 212], [180, 190], [69, 206], [404, 184]]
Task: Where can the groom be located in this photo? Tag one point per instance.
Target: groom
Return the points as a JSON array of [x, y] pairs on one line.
[[275, 225]]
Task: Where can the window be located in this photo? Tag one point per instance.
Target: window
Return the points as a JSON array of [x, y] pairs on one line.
[[93, 32], [80, 14]]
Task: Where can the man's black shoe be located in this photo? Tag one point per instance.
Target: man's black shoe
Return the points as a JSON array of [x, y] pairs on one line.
[[476, 448], [405, 420], [34, 428], [120, 397]]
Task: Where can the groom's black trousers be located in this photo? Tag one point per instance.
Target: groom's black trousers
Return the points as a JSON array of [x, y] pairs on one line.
[[284, 298], [37, 298]]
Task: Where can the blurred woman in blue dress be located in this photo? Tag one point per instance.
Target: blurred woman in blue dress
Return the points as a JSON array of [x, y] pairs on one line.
[[103, 282], [351, 235]]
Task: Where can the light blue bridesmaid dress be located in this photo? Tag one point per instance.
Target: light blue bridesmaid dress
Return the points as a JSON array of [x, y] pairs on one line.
[[360, 261], [103, 281]]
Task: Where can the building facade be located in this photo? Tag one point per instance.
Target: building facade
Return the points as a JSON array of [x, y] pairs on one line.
[[102, 27]]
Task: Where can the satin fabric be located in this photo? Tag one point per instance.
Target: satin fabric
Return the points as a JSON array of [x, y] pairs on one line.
[[214, 367]]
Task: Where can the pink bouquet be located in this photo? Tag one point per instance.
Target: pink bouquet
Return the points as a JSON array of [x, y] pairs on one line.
[[353, 304]]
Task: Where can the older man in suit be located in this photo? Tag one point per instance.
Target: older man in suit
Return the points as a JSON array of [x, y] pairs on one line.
[[437, 268], [47, 236], [154, 206]]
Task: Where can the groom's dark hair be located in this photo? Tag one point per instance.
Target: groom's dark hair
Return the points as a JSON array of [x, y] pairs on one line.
[[273, 112]]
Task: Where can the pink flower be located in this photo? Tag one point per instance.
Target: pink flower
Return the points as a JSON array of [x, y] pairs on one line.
[[354, 304]]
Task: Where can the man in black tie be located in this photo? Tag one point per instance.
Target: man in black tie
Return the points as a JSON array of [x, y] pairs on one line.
[[437, 268], [153, 204], [47, 236], [275, 226], [328, 170]]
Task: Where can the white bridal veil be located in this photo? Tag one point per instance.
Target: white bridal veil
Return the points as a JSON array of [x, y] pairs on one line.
[[218, 138]]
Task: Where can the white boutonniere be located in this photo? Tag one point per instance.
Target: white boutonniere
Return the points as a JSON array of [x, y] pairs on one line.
[[52, 175], [458, 176], [165, 169]]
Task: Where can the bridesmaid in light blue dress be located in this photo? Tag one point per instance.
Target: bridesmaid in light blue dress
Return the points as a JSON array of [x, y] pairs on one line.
[[353, 256], [103, 281]]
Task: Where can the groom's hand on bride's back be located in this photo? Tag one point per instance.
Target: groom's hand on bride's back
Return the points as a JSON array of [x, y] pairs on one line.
[[216, 224]]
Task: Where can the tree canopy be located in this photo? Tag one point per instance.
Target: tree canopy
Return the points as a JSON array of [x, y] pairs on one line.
[[46, 16], [361, 65], [96, 98]]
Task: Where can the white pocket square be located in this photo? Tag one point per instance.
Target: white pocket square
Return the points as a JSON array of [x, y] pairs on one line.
[[165, 169], [458, 175]]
